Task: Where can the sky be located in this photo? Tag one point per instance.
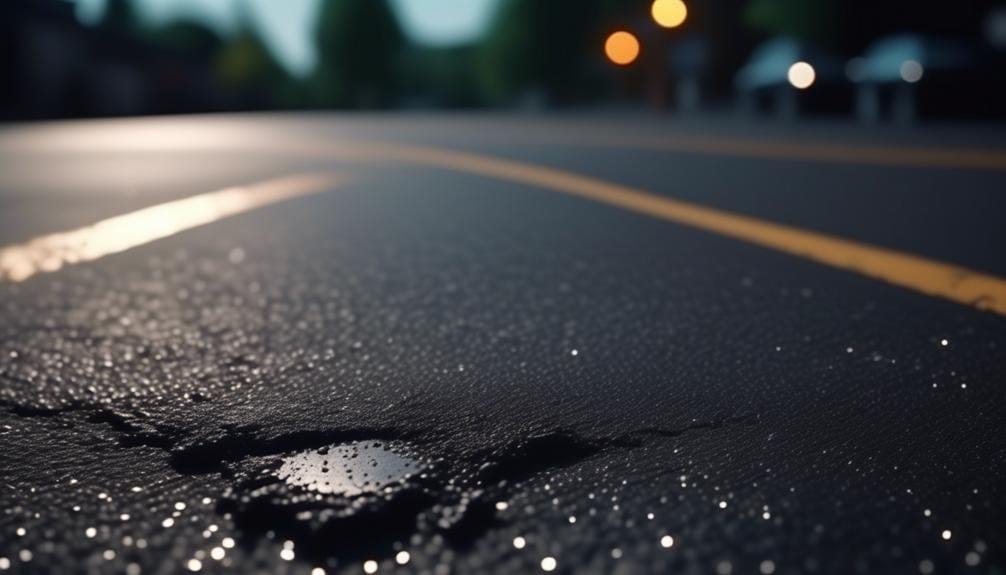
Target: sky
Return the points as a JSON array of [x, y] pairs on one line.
[[286, 25]]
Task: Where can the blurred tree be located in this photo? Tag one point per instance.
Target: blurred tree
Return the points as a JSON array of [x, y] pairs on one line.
[[248, 70], [440, 76], [850, 25], [188, 36], [359, 44], [867, 20], [120, 17], [819, 21], [180, 68], [730, 40], [543, 48]]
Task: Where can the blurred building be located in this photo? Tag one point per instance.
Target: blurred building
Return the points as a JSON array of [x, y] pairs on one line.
[[54, 67]]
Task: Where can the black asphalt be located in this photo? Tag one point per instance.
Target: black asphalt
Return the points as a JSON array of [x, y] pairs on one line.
[[614, 379]]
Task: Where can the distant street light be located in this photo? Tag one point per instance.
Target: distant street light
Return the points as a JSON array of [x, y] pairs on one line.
[[622, 48], [911, 71], [801, 75], [669, 13]]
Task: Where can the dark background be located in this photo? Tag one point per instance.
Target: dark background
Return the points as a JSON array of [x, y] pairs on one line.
[[534, 54]]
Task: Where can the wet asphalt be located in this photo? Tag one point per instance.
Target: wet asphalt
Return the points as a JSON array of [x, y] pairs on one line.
[[513, 380]]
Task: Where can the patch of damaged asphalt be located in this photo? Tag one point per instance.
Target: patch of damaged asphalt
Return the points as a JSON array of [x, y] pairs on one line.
[[454, 496]]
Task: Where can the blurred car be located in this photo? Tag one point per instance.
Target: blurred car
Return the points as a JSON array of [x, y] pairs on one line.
[[788, 76], [909, 74]]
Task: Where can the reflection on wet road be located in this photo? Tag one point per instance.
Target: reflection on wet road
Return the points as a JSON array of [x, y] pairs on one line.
[[117, 234], [347, 470]]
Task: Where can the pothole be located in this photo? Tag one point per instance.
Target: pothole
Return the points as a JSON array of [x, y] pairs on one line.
[[347, 500], [357, 500]]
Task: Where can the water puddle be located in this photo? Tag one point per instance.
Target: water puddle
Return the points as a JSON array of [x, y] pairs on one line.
[[349, 470], [353, 499], [357, 500]]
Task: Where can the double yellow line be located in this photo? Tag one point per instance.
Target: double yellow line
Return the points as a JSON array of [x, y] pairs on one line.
[[913, 272]]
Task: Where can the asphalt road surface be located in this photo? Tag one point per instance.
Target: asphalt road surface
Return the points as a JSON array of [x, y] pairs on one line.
[[493, 344]]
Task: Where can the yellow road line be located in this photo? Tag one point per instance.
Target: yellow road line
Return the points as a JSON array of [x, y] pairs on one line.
[[794, 150], [907, 270], [51, 252]]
